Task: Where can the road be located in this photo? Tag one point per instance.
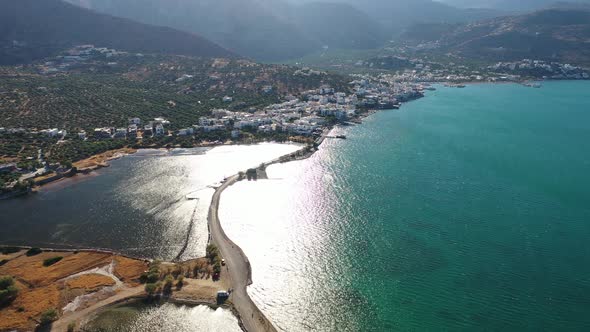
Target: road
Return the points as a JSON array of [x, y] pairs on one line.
[[238, 267]]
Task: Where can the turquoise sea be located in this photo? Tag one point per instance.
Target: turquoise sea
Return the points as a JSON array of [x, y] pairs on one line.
[[467, 210]]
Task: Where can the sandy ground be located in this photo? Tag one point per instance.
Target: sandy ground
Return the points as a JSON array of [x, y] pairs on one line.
[[80, 317], [52, 287], [100, 160], [83, 283], [201, 290]]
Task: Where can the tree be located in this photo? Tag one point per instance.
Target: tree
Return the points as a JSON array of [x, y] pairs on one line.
[[168, 282], [212, 252], [217, 267], [150, 289], [49, 316], [180, 282]]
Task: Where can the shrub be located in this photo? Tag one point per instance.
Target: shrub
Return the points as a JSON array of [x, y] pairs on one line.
[[217, 267], [151, 288], [4, 261], [8, 295], [9, 250], [152, 277], [168, 280], [49, 316], [34, 251], [72, 327], [8, 291], [180, 282], [6, 281], [52, 260], [212, 252]]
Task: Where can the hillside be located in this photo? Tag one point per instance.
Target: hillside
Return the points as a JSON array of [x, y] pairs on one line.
[[266, 30], [554, 35], [399, 14], [101, 92], [511, 5], [33, 29], [338, 26]]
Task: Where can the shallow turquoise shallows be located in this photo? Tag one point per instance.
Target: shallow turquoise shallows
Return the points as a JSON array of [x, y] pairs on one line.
[[467, 210]]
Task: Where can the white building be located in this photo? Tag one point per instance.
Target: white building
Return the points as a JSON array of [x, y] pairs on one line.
[[50, 132], [159, 130], [121, 133], [135, 121], [186, 131]]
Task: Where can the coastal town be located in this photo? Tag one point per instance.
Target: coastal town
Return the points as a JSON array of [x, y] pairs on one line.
[[302, 117], [34, 156], [416, 69]]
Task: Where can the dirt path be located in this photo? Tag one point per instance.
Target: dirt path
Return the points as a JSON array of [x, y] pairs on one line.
[[79, 317]]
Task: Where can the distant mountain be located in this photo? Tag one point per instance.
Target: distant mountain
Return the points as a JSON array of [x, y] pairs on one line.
[[339, 25], [553, 34], [262, 29], [399, 14], [512, 5], [34, 29]]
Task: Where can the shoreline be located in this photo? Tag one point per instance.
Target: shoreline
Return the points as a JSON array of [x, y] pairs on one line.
[[239, 277], [238, 305], [102, 160]]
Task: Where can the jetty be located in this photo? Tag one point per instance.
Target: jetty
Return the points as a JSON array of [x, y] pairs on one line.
[[239, 269], [337, 136], [237, 264]]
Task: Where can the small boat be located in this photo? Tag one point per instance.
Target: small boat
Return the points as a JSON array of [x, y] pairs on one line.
[[451, 85], [532, 85], [341, 136]]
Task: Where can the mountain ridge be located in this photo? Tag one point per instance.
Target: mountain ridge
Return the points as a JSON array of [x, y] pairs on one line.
[[552, 34], [31, 30], [261, 29]]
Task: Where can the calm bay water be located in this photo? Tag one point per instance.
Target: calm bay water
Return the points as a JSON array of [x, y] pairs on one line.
[[164, 318], [466, 210], [142, 205]]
